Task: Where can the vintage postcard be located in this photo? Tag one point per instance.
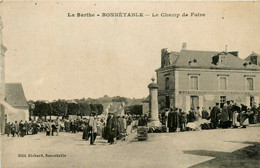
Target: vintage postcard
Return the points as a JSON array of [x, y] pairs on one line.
[[129, 84]]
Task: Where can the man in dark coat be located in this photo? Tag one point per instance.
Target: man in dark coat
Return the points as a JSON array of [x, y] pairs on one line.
[[34, 128], [8, 128], [111, 128], [22, 129], [230, 113], [27, 127], [258, 114], [253, 113], [85, 134], [204, 113], [214, 115], [191, 116], [173, 120], [13, 129], [224, 119], [170, 121]]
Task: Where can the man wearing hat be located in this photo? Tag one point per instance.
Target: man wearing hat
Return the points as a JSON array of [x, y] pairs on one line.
[[230, 113], [214, 115], [111, 128], [92, 128]]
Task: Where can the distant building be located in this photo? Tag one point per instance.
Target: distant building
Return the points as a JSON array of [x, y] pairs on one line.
[[117, 108], [190, 78]]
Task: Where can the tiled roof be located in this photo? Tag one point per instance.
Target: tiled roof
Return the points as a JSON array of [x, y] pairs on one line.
[[203, 59], [14, 95]]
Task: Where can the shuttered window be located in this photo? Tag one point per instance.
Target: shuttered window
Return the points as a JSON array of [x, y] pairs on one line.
[[249, 83], [194, 82]]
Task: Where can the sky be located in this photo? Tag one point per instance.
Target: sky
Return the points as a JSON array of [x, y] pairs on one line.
[[59, 57]]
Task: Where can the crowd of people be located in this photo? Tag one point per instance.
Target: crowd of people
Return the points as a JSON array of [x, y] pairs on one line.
[[113, 127], [231, 115], [33, 127], [116, 127]]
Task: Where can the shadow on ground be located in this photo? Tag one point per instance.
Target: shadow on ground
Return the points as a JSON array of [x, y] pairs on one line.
[[242, 158]]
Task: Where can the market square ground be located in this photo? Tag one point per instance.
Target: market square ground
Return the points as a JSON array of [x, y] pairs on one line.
[[206, 148]]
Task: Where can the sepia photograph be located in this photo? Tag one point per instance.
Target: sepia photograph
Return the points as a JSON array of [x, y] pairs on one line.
[[112, 84]]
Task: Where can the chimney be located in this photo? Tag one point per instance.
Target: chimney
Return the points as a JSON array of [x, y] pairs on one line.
[[184, 46]]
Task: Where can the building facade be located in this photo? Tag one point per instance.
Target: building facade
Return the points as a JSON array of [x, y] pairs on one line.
[[189, 78]]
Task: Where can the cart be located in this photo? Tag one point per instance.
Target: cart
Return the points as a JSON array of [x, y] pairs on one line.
[[142, 133]]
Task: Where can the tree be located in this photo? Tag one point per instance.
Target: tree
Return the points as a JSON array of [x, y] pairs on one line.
[[84, 108], [99, 109], [93, 107], [58, 108], [135, 109], [42, 108], [73, 109]]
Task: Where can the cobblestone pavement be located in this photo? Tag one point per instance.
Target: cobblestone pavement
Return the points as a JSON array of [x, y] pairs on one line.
[[206, 148]]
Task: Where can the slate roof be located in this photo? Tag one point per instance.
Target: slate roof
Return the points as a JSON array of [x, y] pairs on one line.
[[14, 95], [204, 61]]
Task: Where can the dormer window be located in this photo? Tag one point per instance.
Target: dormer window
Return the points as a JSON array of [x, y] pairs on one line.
[[246, 64], [193, 62], [219, 59]]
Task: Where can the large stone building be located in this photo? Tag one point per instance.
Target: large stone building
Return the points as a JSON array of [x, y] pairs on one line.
[[192, 78]]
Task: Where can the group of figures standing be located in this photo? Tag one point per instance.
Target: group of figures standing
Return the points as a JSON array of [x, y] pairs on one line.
[[114, 127], [231, 115], [31, 128]]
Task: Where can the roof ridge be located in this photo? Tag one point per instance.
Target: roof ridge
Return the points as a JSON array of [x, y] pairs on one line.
[[202, 51], [13, 83]]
